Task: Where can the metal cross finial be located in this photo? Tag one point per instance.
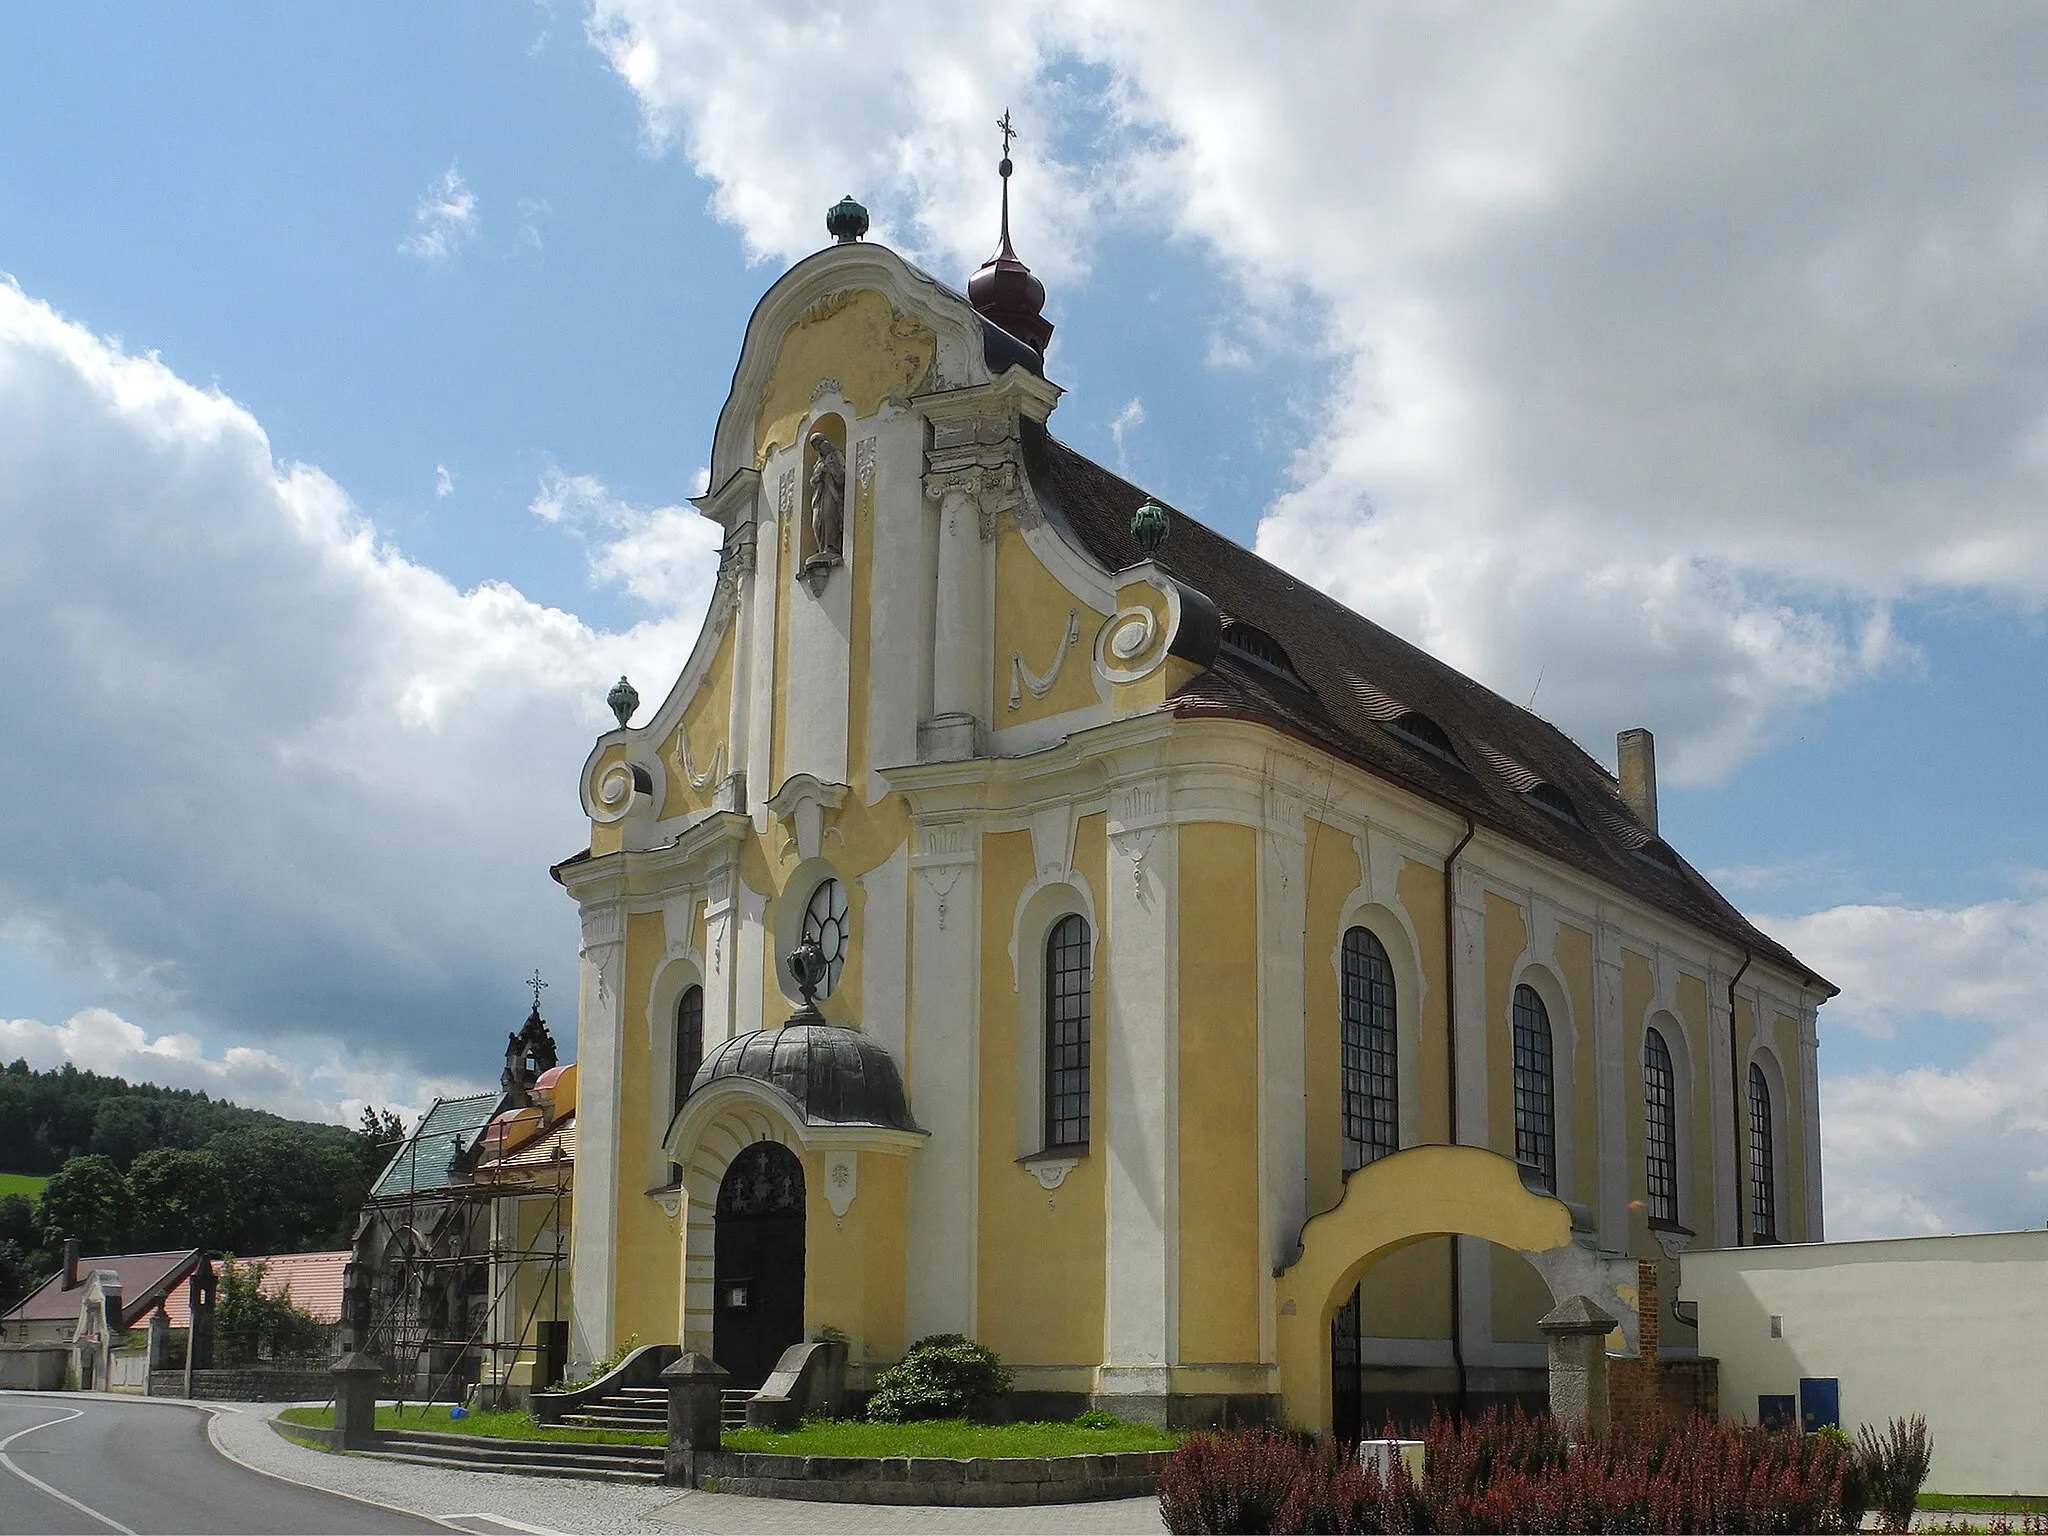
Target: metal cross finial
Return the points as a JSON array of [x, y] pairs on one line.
[[1009, 133], [538, 985]]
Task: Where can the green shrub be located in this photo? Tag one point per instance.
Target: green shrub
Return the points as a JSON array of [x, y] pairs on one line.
[[1893, 1465], [945, 1376], [1097, 1418]]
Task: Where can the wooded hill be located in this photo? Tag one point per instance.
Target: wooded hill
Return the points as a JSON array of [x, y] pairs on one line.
[[134, 1167]]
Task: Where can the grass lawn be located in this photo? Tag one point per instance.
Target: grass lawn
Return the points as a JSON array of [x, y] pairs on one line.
[[30, 1184], [1985, 1503], [948, 1437], [496, 1426]]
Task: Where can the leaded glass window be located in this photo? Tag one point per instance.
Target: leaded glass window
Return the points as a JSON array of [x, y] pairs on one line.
[[1067, 1005], [1366, 1050], [1660, 1129], [825, 926], [1535, 1089], [689, 1040], [1763, 1172]]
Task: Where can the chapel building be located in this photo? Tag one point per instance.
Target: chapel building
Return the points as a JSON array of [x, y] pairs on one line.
[[1033, 916]]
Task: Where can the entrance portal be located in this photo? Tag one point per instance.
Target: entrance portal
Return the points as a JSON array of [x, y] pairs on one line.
[[758, 1263]]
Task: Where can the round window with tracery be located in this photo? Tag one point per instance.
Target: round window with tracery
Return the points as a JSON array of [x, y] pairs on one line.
[[825, 926]]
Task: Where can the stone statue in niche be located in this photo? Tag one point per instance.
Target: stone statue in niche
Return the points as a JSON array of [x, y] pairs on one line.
[[828, 496]]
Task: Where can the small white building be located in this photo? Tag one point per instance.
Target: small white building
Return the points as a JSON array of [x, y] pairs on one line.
[[1955, 1328]]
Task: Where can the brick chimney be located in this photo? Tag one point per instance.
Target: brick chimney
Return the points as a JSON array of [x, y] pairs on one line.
[[1636, 755], [70, 1263]]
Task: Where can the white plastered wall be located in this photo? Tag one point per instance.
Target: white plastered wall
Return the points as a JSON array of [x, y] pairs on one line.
[[1955, 1328]]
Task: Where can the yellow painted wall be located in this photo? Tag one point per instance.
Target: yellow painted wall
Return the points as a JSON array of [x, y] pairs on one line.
[[854, 1264], [706, 720], [1691, 1002], [648, 1299], [1407, 1294], [1032, 618], [1519, 1297], [855, 337], [1041, 1276], [1506, 935], [1219, 1102], [1420, 889]]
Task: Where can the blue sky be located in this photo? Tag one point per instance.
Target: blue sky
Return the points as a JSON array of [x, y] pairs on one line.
[[1677, 369]]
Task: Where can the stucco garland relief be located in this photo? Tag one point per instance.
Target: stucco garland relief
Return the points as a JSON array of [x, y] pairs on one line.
[[941, 880], [1040, 684], [864, 477], [698, 781], [1051, 1172], [841, 1183]]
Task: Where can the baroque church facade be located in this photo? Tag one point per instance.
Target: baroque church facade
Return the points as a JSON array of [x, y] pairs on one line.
[[1032, 916]]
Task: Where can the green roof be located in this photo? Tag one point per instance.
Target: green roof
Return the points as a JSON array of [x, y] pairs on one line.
[[445, 1132]]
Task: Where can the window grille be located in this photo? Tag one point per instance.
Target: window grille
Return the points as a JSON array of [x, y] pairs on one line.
[[1660, 1127], [1535, 1089], [1366, 1051], [1763, 1173], [1067, 1005]]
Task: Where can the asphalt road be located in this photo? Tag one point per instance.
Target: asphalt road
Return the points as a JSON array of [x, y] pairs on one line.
[[76, 1464]]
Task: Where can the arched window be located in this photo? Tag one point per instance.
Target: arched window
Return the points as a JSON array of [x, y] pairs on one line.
[[1660, 1129], [1763, 1172], [1066, 1033], [1535, 1090], [689, 1042], [1366, 1050]]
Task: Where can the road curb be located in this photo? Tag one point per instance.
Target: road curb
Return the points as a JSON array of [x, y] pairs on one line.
[[214, 1414]]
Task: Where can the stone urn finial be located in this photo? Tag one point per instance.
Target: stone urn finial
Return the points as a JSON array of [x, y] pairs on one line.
[[846, 221], [1148, 527], [624, 699]]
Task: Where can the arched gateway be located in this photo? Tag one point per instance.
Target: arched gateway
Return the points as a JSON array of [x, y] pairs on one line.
[[758, 1262], [1412, 1196]]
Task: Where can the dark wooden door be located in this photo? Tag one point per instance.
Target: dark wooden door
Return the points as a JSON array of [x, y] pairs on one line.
[[758, 1265]]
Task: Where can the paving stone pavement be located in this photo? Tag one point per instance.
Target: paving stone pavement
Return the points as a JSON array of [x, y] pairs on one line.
[[570, 1505]]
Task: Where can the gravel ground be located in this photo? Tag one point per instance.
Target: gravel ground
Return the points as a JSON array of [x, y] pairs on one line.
[[553, 1504]]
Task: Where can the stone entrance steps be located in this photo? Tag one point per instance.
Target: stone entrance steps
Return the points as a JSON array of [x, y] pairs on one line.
[[732, 1408], [637, 1408], [529, 1458]]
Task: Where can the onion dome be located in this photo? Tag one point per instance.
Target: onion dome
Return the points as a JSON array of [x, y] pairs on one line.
[[833, 1075], [1004, 291], [846, 221]]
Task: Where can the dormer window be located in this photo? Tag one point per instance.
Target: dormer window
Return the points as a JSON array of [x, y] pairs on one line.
[[1418, 730], [1249, 643], [1658, 852], [1555, 801]]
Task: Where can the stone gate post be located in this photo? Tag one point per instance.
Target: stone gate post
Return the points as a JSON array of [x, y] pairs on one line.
[[1577, 1332], [695, 1416]]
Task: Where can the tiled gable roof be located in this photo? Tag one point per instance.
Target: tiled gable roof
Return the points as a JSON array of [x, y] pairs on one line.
[[1356, 680], [146, 1278]]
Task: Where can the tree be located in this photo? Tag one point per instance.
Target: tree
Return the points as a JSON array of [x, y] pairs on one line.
[[87, 1199], [123, 1128], [181, 1199], [251, 1324]]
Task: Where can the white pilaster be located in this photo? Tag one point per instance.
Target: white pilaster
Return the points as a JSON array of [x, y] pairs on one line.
[[1283, 1045], [885, 952], [1716, 1060], [1809, 1109], [943, 1075], [779, 482], [1610, 1205], [599, 1036], [1136, 1127]]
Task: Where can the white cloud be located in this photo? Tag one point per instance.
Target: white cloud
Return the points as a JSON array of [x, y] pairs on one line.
[[282, 781], [99, 1040], [1127, 420], [1932, 1148], [1671, 344], [443, 221], [664, 556], [444, 482]]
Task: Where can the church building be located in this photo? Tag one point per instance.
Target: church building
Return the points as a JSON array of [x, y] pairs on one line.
[[1033, 916]]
